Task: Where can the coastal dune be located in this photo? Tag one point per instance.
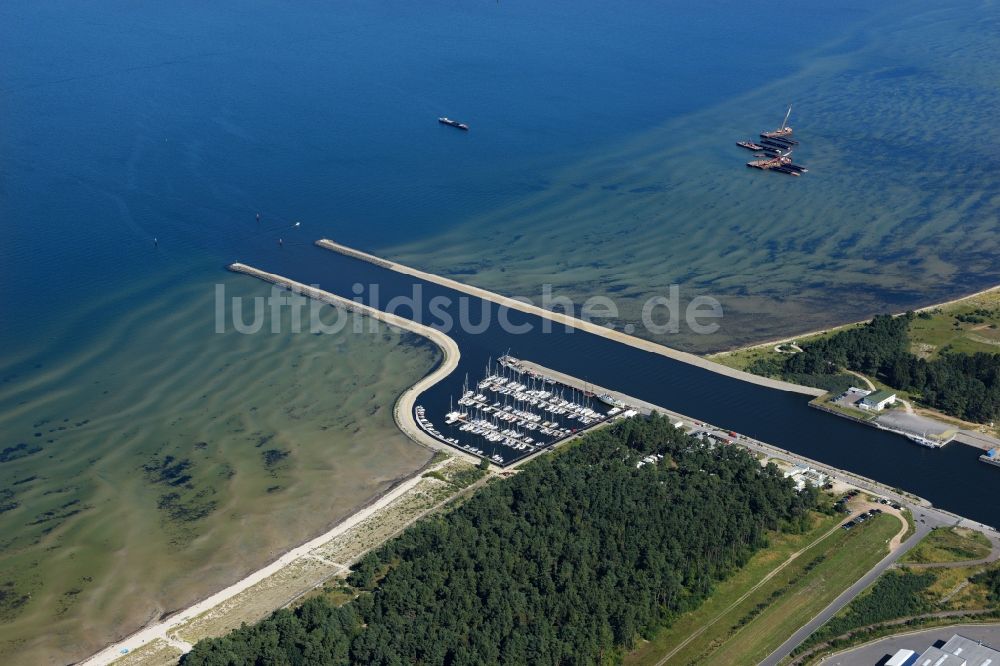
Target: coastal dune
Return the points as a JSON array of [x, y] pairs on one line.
[[163, 631]]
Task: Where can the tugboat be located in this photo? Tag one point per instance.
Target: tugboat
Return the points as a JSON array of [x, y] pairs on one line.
[[453, 123], [749, 145], [784, 130]]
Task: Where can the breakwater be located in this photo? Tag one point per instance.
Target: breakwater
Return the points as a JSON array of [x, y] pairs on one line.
[[403, 409], [575, 322], [950, 478]]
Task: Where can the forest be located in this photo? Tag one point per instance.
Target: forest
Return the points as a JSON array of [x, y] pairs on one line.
[[569, 561], [895, 595], [962, 385]]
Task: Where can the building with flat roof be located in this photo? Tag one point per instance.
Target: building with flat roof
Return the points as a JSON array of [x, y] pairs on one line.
[[958, 651], [903, 658], [878, 400]]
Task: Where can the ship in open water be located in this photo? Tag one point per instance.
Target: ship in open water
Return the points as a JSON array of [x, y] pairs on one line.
[[444, 120]]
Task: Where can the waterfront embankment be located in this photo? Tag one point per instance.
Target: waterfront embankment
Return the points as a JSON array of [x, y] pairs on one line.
[[403, 410], [575, 322], [295, 572], [918, 505]]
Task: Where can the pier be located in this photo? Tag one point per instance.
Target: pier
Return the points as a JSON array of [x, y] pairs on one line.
[[514, 412], [404, 409], [752, 408], [566, 320]]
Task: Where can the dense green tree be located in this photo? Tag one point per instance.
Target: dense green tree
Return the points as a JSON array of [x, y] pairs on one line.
[[569, 561], [963, 385]]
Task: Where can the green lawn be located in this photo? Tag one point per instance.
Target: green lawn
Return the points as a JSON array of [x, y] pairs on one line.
[[950, 545], [945, 330], [727, 592], [941, 330], [747, 631], [952, 590]]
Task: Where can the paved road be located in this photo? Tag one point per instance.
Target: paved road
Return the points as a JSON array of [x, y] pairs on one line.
[[873, 653], [993, 556], [925, 516], [845, 598]]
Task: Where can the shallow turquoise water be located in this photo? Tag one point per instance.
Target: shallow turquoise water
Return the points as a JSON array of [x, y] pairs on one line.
[[180, 121]]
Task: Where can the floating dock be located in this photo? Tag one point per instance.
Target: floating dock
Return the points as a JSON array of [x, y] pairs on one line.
[[513, 412]]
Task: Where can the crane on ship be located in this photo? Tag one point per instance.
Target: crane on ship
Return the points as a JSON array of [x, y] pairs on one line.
[[784, 130]]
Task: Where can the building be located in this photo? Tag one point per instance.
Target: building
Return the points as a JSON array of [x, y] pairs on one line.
[[876, 401], [958, 651], [903, 658], [801, 475]]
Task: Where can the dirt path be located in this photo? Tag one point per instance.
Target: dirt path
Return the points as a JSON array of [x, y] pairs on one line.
[[992, 557], [868, 382], [774, 572]]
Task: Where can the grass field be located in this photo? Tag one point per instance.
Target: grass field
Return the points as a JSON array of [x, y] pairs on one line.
[[967, 326], [951, 591], [949, 545], [740, 628]]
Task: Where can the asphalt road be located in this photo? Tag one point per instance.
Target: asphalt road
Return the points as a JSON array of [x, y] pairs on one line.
[[925, 516], [845, 598], [873, 653]]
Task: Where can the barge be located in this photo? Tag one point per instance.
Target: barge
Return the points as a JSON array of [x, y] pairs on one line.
[[782, 131]]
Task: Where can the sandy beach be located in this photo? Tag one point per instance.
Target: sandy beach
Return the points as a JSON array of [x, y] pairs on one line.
[[403, 415]]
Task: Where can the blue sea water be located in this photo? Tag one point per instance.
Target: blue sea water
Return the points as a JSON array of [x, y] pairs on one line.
[[123, 122]]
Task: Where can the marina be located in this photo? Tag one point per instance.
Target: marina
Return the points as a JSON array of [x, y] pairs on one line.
[[514, 411], [765, 410]]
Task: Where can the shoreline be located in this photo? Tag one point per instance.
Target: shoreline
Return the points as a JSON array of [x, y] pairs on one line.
[[403, 417], [161, 630], [574, 322], [838, 327]]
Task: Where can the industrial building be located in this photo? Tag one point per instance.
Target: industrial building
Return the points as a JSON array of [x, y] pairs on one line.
[[876, 401], [958, 651]]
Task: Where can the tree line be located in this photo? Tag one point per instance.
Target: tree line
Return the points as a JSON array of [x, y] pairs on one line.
[[569, 561], [962, 385]]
